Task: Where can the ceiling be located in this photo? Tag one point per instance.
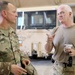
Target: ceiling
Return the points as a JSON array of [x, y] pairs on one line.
[[32, 3]]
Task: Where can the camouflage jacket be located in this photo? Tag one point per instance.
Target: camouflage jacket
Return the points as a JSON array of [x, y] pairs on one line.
[[9, 50]]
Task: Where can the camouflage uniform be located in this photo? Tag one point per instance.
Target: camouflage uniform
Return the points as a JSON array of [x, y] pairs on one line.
[[9, 51], [59, 69]]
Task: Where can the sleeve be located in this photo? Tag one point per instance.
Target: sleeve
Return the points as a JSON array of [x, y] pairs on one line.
[[24, 56], [5, 68], [5, 64]]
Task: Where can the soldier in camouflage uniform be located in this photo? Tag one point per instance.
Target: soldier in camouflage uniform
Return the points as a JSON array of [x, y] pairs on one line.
[[64, 34], [10, 55]]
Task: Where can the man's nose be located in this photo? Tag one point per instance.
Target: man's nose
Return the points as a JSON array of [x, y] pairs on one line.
[[16, 14]]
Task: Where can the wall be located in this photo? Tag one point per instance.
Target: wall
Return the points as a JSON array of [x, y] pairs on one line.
[[31, 3]]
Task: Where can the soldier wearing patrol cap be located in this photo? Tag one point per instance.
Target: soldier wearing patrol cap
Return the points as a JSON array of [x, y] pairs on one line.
[[10, 55]]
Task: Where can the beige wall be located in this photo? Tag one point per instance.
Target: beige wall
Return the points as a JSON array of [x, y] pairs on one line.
[[34, 3], [31, 3]]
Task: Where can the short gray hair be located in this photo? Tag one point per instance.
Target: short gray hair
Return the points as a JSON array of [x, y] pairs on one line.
[[3, 5], [66, 7]]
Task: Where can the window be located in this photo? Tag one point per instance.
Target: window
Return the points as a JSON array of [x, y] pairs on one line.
[[25, 21], [50, 19], [19, 20], [37, 19]]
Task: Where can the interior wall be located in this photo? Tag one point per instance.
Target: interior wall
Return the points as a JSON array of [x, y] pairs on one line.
[[32, 3]]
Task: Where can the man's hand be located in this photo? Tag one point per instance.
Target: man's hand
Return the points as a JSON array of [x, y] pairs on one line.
[[26, 62], [49, 44], [16, 70], [70, 51], [50, 37]]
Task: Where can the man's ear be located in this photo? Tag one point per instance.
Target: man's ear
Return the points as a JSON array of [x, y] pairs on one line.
[[4, 13]]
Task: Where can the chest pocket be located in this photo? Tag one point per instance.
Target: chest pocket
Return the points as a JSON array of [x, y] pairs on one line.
[[15, 46], [14, 40], [4, 48], [4, 42]]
